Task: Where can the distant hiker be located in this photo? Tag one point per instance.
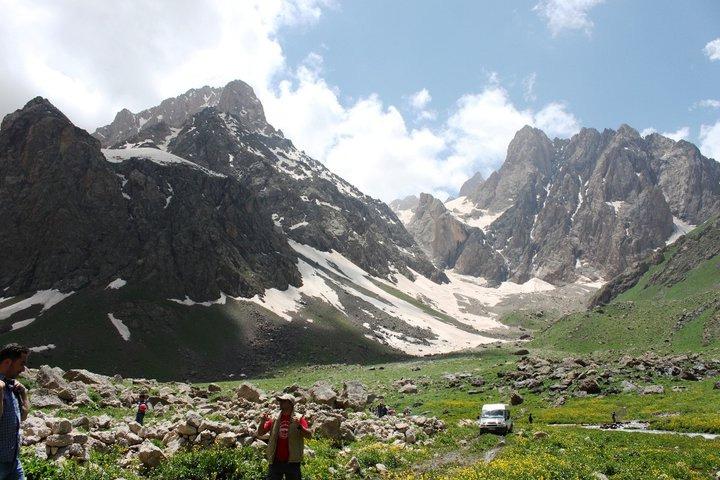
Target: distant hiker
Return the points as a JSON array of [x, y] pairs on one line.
[[614, 417], [288, 432], [381, 409], [14, 408], [142, 408], [530, 419]]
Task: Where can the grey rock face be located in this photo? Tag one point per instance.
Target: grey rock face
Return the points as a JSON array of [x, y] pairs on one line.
[[237, 97], [313, 206], [451, 243], [78, 220], [683, 256], [408, 203], [471, 185], [595, 204]]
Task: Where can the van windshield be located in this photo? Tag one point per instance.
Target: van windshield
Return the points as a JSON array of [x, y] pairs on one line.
[[493, 413]]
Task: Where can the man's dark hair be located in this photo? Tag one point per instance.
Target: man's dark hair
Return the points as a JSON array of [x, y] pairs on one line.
[[13, 351]]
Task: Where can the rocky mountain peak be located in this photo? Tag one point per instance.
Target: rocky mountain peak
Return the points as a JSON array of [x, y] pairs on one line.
[[85, 219], [451, 243], [48, 123], [627, 131], [471, 184], [238, 98], [587, 206], [34, 110]]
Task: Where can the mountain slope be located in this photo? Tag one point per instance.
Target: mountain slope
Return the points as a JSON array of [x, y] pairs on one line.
[[590, 206], [451, 243], [80, 220], [670, 301], [313, 205], [207, 247]]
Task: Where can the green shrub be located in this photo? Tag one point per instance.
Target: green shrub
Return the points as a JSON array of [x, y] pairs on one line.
[[212, 464]]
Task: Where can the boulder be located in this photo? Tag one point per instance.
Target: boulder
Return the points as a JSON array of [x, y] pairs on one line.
[[62, 427], [59, 440], [50, 378], [227, 439], [516, 398], [408, 388], [322, 393], [42, 398], [355, 395], [249, 392], [327, 425], [150, 455], [83, 376], [653, 390], [589, 385]]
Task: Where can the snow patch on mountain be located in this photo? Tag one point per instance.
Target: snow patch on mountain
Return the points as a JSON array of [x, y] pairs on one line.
[[465, 210], [284, 302], [21, 324], [46, 298], [188, 302], [154, 155], [122, 329], [681, 228], [116, 284]]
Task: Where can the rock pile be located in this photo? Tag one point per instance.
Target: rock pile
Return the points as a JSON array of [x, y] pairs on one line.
[[184, 415], [581, 376]]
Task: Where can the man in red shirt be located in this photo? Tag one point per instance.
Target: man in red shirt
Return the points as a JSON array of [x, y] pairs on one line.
[[286, 444]]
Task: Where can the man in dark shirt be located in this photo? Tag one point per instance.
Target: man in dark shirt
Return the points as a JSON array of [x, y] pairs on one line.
[[288, 431], [14, 408]]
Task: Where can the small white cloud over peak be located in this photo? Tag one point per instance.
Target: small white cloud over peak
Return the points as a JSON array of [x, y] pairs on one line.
[[647, 131], [556, 121], [712, 50], [710, 140], [419, 100], [707, 103], [567, 14], [680, 134], [529, 87]]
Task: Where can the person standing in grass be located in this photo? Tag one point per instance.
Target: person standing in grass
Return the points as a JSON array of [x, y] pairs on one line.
[[14, 408], [288, 432], [142, 408]]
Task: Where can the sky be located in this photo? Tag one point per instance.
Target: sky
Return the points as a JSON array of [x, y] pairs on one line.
[[398, 97]]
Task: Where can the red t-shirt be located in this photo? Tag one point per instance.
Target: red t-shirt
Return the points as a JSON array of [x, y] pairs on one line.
[[282, 451]]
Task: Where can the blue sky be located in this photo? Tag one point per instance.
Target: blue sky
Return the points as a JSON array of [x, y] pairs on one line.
[[398, 97], [640, 63]]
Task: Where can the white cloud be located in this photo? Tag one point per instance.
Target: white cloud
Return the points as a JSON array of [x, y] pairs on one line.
[[556, 121], [680, 134], [712, 49], [707, 103], [483, 125], [90, 65], [135, 61], [529, 87], [567, 14], [419, 100], [710, 140], [648, 131]]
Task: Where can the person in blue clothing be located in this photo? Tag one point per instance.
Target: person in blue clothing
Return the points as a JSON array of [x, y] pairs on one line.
[[14, 408]]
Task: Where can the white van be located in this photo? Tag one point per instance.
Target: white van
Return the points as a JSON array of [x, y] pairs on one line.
[[495, 417]]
